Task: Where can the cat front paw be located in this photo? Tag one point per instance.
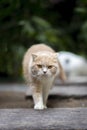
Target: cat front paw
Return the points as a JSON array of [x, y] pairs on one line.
[[39, 106], [45, 107]]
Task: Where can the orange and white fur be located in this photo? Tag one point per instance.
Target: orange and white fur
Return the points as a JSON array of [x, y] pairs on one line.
[[40, 68]]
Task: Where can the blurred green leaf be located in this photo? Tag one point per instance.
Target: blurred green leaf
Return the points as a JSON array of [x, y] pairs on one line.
[[41, 23]]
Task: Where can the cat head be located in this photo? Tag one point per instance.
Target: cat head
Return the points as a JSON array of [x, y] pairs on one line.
[[46, 65]]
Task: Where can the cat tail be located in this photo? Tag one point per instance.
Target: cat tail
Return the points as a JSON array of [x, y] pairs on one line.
[[62, 74]]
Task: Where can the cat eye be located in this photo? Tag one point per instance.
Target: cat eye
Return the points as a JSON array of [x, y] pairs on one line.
[[39, 66], [50, 66]]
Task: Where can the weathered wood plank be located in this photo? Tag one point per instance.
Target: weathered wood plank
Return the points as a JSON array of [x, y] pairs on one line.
[[73, 80], [75, 91], [64, 91], [79, 82], [49, 119]]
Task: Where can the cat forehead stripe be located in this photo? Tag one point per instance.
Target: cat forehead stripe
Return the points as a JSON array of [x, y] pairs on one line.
[[44, 53]]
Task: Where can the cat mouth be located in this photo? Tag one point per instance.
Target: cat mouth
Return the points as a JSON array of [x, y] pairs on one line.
[[45, 75]]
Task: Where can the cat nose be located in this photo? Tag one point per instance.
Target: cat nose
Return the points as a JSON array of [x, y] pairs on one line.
[[44, 70]]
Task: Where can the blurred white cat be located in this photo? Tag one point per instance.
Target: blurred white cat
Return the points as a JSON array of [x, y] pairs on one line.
[[73, 65]]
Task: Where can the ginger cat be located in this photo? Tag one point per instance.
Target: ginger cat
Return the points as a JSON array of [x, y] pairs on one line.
[[40, 68]]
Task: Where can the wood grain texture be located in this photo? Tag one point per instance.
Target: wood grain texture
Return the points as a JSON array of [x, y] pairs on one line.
[[50, 119], [64, 90]]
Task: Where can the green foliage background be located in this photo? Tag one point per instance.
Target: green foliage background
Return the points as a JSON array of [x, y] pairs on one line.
[[27, 22]]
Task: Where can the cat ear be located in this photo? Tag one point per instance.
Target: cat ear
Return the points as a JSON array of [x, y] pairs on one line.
[[62, 74], [56, 55], [34, 56]]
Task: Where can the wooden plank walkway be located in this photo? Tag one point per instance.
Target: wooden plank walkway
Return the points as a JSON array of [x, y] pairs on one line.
[[66, 91], [49, 119], [78, 80], [60, 90]]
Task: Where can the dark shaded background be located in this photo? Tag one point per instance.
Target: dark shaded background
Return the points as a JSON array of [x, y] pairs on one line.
[[61, 24]]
